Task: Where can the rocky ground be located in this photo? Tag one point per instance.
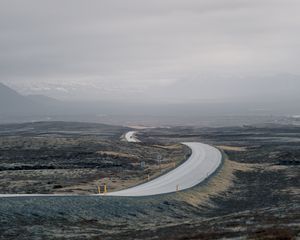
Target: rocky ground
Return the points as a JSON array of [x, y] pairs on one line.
[[255, 195], [77, 158]]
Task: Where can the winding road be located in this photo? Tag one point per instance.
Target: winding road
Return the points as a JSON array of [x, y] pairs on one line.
[[203, 162], [130, 137]]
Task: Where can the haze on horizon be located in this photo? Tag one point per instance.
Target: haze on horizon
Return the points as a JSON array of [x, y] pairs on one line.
[[151, 51]]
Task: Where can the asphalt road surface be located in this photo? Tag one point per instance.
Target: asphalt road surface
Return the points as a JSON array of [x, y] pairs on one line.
[[130, 137], [202, 163]]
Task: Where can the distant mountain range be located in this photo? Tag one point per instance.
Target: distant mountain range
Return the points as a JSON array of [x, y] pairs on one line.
[[14, 104], [16, 107]]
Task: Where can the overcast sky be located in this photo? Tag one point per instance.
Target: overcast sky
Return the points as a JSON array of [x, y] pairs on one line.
[[148, 50]]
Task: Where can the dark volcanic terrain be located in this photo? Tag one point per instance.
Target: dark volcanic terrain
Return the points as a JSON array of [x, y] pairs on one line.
[[254, 195], [63, 157]]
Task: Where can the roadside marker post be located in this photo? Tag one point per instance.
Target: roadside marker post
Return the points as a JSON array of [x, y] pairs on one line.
[[148, 177], [177, 188], [105, 189], [99, 189], [159, 157]]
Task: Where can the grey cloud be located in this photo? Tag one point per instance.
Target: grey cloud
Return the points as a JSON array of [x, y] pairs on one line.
[[125, 46]]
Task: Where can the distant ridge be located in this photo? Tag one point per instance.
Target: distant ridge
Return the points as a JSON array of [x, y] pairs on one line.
[[13, 103]]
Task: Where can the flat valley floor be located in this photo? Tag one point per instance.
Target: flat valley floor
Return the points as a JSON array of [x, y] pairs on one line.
[[254, 195]]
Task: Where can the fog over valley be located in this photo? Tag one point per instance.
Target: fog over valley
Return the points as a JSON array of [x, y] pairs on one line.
[[170, 58]]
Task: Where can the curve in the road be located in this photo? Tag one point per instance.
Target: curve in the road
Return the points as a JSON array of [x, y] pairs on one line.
[[204, 161], [130, 137]]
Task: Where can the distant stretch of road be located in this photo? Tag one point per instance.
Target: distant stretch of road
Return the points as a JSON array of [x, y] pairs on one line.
[[202, 163], [130, 137]]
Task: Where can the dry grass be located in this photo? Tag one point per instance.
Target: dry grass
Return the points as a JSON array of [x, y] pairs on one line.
[[171, 147], [117, 154], [217, 185], [118, 181], [232, 148]]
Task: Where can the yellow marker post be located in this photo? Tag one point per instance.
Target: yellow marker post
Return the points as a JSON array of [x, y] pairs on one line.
[[99, 189], [105, 189]]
